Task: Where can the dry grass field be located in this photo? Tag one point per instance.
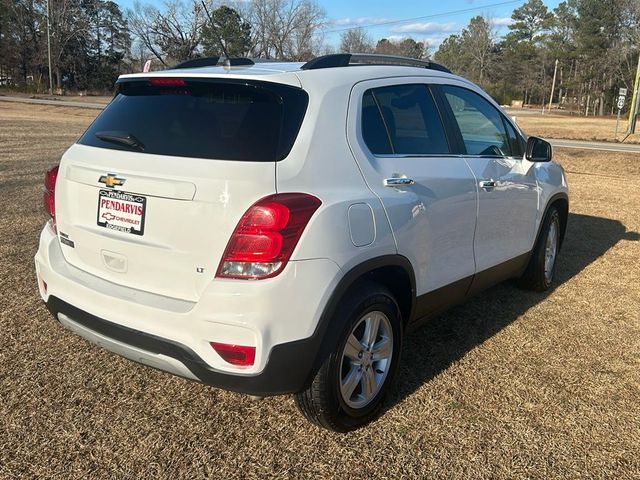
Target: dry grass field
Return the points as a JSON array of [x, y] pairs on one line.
[[512, 384], [574, 127]]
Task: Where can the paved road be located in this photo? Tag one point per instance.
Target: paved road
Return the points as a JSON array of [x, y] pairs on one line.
[[604, 146], [519, 112], [57, 103]]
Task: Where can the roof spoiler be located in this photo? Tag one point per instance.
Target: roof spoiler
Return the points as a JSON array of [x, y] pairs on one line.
[[215, 61]]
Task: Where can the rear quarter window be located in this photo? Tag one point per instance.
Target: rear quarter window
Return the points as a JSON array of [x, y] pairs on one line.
[[225, 120], [404, 120]]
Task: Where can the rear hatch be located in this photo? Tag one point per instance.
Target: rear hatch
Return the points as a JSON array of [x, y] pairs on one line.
[[150, 195]]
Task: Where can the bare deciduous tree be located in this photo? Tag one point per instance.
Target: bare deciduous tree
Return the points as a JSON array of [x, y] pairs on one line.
[[356, 40], [407, 47], [478, 40], [69, 29], [284, 29], [170, 35]]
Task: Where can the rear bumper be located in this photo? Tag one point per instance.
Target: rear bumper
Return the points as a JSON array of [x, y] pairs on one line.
[[287, 370], [280, 316]]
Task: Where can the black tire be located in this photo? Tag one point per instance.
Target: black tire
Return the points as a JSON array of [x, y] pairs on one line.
[[323, 402], [536, 277]]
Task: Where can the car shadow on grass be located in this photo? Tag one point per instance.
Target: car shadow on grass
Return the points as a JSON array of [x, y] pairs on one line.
[[447, 338]]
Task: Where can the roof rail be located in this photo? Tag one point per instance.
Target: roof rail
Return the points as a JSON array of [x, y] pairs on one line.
[[350, 59], [214, 61]]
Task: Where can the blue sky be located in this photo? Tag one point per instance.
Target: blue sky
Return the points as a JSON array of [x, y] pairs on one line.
[[440, 18]]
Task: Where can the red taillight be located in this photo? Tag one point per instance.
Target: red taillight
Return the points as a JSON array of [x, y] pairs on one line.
[[50, 178], [167, 82], [49, 196], [266, 235], [50, 203], [240, 355]]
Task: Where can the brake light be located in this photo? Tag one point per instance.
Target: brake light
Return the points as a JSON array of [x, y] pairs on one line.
[[49, 196], [240, 355], [266, 236], [167, 82]]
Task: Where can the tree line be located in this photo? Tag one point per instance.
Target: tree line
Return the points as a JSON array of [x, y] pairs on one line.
[[90, 42], [595, 42], [94, 41]]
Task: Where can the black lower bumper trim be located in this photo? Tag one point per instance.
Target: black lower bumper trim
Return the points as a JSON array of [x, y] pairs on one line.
[[287, 370]]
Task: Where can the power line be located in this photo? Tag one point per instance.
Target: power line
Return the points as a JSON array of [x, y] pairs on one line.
[[424, 17]]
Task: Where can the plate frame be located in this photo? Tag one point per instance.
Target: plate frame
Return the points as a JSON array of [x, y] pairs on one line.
[[139, 199]]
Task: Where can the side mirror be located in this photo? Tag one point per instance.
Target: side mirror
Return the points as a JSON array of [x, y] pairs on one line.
[[538, 150]]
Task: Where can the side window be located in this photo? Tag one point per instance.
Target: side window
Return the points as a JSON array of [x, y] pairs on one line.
[[515, 140], [374, 131], [411, 120], [481, 125]]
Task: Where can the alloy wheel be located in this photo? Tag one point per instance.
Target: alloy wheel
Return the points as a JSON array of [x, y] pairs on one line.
[[366, 359]]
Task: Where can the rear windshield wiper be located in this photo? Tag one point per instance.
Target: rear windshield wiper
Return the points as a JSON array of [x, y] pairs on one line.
[[121, 138]]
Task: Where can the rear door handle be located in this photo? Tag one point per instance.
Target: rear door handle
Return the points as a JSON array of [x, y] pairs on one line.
[[488, 184], [398, 181]]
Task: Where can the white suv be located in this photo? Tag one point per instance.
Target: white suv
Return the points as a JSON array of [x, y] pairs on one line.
[[275, 228]]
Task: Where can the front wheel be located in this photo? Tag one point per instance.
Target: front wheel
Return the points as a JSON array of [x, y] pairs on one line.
[[349, 388], [542, 265]]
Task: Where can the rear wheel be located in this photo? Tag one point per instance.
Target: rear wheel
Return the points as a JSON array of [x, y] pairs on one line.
[[542, 265], [348, 390]]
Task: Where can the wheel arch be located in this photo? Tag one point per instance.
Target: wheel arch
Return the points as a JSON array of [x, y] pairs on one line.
[[561, 202], [394, 272]]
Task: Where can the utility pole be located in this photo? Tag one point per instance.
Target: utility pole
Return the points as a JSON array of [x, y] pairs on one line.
[[544, 93], [635, 100], [49, 48], [553, 85]]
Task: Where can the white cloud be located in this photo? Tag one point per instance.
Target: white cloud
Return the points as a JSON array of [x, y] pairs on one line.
[[433, 41], [396, 38], [356, 22], [501, 21], [425, 28]]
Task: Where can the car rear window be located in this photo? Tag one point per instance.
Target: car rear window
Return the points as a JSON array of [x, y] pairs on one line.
[[202, 118]]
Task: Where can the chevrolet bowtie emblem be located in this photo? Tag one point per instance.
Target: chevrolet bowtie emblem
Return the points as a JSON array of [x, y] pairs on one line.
[[111, 180]]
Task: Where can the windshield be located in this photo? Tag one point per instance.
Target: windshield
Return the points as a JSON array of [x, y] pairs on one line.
[[202, 118]]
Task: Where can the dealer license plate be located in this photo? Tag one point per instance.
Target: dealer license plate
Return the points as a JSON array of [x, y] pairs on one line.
[[121, 211]]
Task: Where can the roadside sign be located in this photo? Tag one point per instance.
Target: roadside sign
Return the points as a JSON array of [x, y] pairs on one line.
[[621, 100], [622, 96]]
